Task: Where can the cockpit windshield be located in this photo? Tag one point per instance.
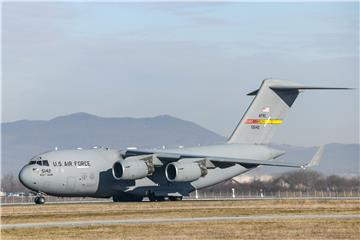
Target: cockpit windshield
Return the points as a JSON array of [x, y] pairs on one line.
[[41, 163]]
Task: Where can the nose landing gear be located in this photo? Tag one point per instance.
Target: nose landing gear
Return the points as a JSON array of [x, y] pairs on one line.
[[39, 199]]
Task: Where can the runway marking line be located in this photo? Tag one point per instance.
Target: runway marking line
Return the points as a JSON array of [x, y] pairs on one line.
[[180, 220]]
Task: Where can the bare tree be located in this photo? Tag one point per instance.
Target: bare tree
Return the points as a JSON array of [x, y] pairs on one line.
[[10, 183], [293, 181]]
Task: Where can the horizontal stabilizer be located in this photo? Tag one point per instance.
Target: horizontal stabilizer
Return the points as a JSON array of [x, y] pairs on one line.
[[253, 93], [307, 88]]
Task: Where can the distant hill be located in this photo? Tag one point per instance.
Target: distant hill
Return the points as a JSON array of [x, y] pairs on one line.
[[23, 139]]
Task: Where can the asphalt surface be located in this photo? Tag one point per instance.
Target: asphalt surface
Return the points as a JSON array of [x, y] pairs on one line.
[[180, 220], [9, 203]]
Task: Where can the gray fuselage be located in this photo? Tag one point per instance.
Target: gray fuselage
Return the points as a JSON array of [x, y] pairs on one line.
[[88, 172]]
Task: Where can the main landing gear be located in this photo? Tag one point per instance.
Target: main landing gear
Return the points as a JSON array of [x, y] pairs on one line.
[[125, 197], [173, 198], [153, 198], [39, 199]]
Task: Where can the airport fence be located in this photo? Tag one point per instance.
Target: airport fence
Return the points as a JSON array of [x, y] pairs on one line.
[[203, 195], [233, 194]]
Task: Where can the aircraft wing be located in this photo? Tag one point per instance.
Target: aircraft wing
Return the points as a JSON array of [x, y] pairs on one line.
[[159, 158]]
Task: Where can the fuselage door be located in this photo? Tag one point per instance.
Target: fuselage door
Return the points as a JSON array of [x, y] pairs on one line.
[[70, 184]]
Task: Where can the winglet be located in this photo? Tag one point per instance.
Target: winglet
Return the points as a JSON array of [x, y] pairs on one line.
[[316, 158]]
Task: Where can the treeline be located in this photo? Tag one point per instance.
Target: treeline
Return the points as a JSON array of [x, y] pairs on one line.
[[301, 180], [291, 181], [11, 183]]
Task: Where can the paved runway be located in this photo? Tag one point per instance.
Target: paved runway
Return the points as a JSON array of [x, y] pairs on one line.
[[9, 203], [180, 220]]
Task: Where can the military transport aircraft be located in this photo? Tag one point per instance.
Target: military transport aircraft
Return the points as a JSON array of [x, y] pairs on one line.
[[131, 175]]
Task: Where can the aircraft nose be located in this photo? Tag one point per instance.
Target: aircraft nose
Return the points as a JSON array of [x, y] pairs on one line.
[[25, 176]]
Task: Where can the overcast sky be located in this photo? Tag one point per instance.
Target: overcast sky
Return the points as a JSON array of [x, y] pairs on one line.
[[192, 61]]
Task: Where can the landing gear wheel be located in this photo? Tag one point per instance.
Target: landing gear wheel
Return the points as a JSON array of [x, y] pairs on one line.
[[123, 197], [39, 200], [154, 198], [160, 199], [173, 198]]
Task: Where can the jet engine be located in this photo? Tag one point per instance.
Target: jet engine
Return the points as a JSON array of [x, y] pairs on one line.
[[132, 169], [185, 171]]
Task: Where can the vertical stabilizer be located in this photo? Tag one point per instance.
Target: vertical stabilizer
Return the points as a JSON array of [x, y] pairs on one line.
[[267, 111]]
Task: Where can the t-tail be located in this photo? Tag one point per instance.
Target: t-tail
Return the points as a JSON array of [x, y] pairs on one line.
[[267, 111]]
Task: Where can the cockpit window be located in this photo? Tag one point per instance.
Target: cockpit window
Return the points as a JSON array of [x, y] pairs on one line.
[[41, 163]]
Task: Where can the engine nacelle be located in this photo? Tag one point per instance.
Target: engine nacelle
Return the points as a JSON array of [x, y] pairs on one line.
[[131, 169], [185, 171]]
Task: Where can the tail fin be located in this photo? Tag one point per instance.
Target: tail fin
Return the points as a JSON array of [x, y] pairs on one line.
[[268, 109]]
